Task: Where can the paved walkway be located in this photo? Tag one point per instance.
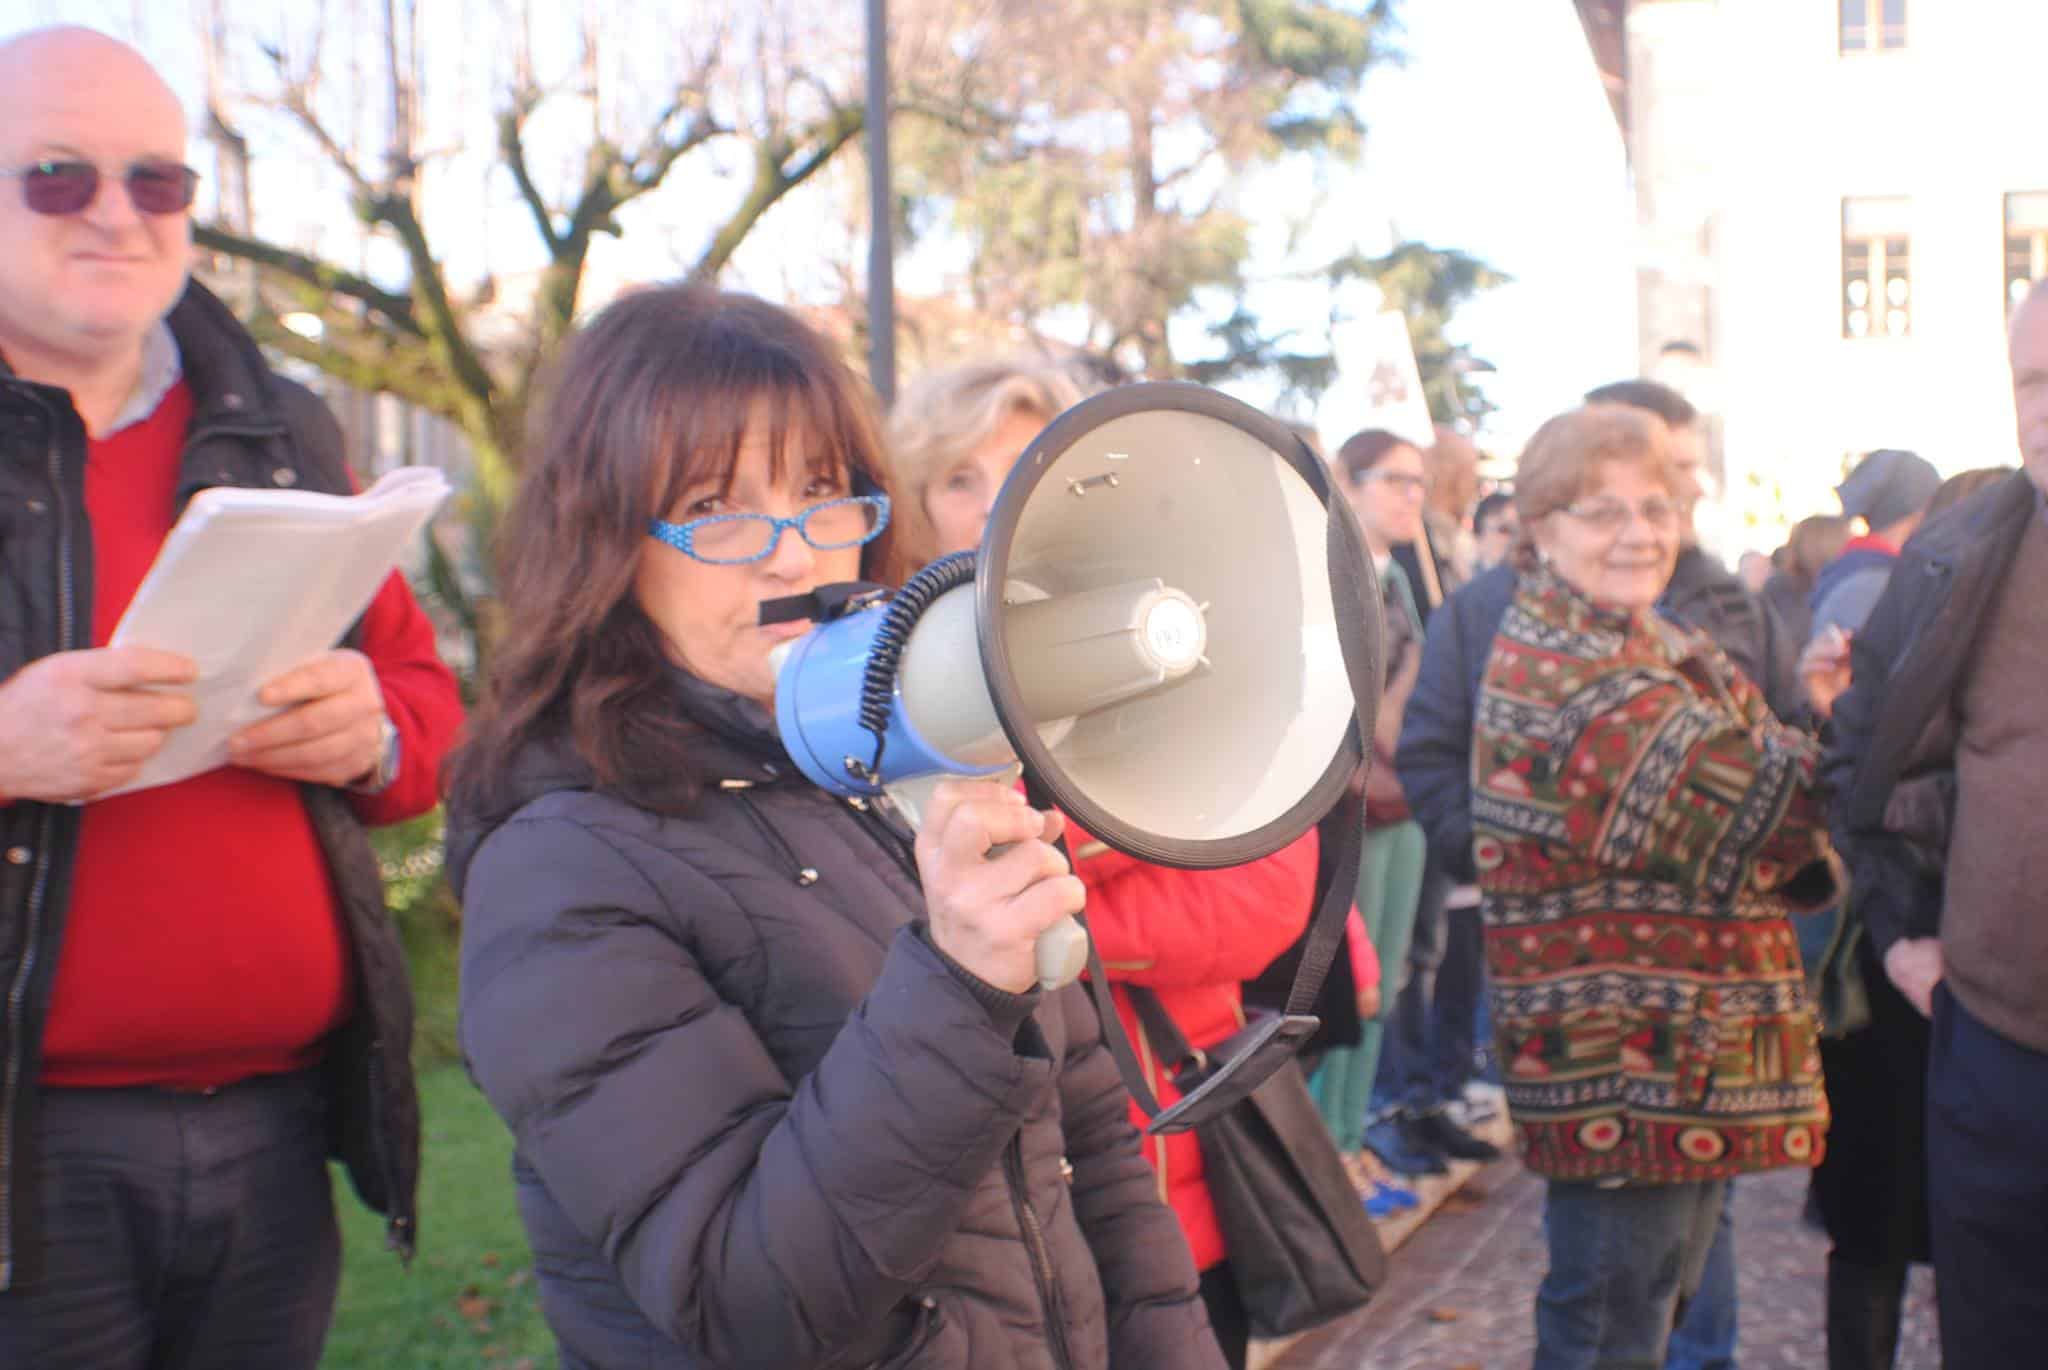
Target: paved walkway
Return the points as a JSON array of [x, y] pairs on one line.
[[1461, 1289]]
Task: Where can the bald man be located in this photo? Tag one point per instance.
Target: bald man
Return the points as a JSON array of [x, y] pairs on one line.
[[1952, 892], [203, 994]]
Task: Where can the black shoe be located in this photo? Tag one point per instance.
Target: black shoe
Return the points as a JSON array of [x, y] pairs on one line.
[[1864, 1304], [1441, 1134], [1391, 1141]]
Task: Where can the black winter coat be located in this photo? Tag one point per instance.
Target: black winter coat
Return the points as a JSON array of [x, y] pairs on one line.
[[1896, 723], [1434, 758], [250, 427], [762, 1122]]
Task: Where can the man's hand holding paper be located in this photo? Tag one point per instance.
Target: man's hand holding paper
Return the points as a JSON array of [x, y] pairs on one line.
[[299, 569], [332, 729], [76, 724]]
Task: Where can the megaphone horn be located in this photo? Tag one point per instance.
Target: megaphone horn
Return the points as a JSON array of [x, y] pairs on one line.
[[1171, 625]]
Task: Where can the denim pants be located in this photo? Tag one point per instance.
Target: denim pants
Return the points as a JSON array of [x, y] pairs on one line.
[[1708, 1326], [180, 1231], [1621, 1258], [1427, 1058]]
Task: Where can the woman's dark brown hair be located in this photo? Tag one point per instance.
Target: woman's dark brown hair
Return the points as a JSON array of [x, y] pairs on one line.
[[656, 393], [1363, 451]]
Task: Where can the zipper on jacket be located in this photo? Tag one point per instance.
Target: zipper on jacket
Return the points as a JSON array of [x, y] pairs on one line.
[[1041, 1256], [398, 1228], [17, 993], [805, 876]]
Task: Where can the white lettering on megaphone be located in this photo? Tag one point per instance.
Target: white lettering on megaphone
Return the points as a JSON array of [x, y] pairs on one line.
[[1173, 631]]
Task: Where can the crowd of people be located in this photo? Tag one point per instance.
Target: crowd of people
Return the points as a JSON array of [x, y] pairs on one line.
[[1696, 875]]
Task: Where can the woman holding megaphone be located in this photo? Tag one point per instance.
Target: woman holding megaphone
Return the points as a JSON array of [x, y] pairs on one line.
[[783, 1088]]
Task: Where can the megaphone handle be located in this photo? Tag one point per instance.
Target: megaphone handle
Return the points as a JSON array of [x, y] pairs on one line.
[[1062, 954], [1062, 948]]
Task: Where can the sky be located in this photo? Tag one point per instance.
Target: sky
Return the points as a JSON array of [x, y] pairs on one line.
[[1493, 136], [1496, 138]]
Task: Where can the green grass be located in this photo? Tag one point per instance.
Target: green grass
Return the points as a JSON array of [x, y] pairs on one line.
[[468, 1298]]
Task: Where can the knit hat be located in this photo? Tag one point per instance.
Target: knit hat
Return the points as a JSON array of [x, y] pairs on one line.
[[1888, 485]]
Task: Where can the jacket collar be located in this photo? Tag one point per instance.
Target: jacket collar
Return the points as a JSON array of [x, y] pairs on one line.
[[740, 741], [232, 392], [230, 381]]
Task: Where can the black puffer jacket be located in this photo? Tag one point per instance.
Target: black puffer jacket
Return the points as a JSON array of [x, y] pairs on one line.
[[761, 1121], [1898, 722]]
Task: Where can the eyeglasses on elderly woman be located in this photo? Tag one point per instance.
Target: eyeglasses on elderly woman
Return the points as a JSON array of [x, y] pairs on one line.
[[1606, 514], [736, 539]]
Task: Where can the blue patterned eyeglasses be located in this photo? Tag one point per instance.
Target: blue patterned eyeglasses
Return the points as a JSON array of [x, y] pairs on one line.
[[735, 539]]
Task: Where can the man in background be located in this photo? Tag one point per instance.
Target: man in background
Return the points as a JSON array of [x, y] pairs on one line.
[[1889, 490], [1495, 530], [205, 996], [1945, 680]]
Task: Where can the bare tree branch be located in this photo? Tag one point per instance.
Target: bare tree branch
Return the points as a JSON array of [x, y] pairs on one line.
[[311, 271], [443, 324], [296, 99], [512, 147], [665, 143], [363, 359], [773, 179]]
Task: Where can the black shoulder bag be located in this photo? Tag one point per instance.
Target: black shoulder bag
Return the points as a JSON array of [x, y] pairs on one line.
[[1295, 1232]]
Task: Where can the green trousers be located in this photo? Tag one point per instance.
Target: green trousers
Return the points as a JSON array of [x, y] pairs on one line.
[[1389, 885]]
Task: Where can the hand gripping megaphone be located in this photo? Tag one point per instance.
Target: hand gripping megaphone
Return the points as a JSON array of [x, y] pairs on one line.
[[1171, 624]]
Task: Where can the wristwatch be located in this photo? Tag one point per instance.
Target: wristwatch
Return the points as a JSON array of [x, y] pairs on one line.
[[386, 770]]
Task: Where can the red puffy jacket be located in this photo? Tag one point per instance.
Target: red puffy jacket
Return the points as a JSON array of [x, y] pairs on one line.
[[1194, 937]]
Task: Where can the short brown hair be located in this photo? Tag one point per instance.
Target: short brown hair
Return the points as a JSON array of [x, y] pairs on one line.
[[1813, 542], [655, 393], [1562, 461]]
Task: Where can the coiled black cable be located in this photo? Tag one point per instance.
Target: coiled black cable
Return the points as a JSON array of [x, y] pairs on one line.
[[878, 678]]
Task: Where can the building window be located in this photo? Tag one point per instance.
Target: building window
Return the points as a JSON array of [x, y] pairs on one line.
[[1873, 25], [2026, 244], [1877, 267]]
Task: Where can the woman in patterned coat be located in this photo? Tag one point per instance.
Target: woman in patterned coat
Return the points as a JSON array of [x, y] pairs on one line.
[[1642, 826]]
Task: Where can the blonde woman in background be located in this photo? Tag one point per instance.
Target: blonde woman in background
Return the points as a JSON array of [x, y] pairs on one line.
[[954, 435]]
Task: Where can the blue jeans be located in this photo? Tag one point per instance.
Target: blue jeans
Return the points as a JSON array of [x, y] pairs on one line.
[[1705, 1336], [1427, 1059], [180, 1231], [1620, 1259]]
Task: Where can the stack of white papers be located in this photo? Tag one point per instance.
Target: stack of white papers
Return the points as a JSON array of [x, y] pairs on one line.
[[251, 583]]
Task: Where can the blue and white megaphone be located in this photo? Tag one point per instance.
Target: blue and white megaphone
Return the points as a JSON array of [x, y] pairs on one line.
[[1165, 624]]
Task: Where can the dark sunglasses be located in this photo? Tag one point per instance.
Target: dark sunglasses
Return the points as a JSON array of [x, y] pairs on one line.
[[67, 187]]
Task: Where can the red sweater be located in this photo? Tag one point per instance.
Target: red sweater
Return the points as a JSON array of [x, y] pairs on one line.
[[202, 943], [1193, 937]]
